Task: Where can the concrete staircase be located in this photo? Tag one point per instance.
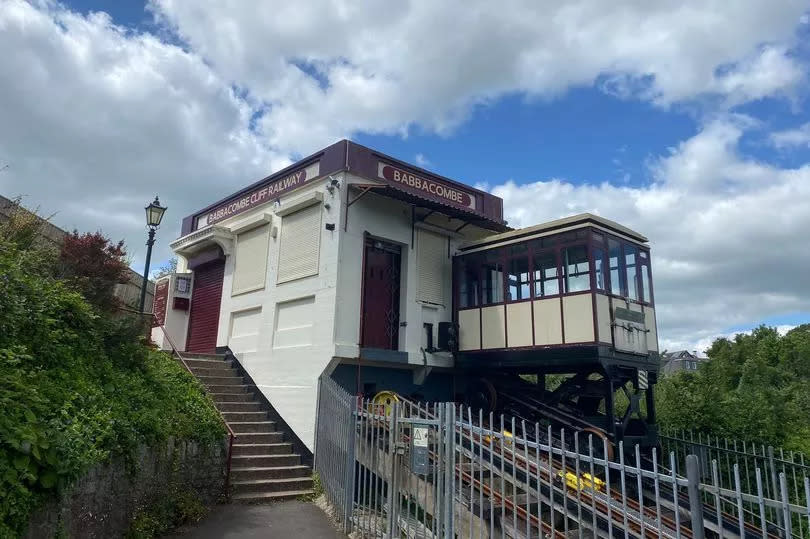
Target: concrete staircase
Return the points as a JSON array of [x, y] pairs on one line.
[[263, 466]]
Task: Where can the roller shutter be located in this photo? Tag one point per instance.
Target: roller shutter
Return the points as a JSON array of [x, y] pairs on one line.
[[205, 303], [299, 250], [432, 262]]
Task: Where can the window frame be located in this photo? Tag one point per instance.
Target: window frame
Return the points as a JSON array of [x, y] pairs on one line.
[[555, 250], [507, 272], [594, 240]]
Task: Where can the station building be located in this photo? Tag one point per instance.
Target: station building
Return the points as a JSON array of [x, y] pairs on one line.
[[342, 264]]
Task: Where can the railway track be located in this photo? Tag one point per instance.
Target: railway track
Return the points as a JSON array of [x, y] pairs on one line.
[[609, 511]]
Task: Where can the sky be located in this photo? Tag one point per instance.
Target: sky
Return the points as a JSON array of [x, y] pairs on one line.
[[686, 120]]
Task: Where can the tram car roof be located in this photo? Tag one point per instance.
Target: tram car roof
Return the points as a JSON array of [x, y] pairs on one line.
[[573, 222]]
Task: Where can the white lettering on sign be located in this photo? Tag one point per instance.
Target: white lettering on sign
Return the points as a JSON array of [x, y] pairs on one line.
[[260, 195], [428, 187], [420, 436]]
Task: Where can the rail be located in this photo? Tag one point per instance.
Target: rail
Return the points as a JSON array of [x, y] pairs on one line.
[[231, 433], [480, 478]]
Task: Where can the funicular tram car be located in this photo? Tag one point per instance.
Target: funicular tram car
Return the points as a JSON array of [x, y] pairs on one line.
[[573, 296]]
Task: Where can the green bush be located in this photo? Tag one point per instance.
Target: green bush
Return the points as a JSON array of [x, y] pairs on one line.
[[755, 387], [76, 388], [179, 507]]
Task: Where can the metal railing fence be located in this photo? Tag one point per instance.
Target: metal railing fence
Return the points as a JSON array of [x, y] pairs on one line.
[[412, 470], [724, 461]]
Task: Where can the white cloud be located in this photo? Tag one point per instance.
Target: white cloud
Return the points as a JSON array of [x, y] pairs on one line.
[[724, 231], [792, 138], [96, 120], [421, 160], [384, 67]]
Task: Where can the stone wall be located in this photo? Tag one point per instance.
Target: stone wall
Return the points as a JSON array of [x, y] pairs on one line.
[[103, 502]]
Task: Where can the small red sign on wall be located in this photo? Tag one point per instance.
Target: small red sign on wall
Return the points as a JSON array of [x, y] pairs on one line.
[[159, 306]]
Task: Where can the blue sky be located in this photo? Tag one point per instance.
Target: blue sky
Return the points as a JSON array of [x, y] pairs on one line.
[[689, 124]]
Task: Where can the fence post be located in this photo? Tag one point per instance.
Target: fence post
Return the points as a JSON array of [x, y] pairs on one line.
[[775, 489], [449, 468], [393, 488], [348, 508], [695, 503]]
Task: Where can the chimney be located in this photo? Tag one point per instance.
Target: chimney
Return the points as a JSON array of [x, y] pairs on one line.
[[694, 353]]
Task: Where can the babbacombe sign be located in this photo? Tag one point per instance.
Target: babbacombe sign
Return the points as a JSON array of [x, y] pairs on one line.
[[425, 186], [260, 195]]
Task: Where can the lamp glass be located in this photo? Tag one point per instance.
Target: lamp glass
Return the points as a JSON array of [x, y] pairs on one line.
[[154, 213]]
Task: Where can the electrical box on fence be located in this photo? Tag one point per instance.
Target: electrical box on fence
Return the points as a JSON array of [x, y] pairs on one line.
[[419, 449], [182, 285], [181, 291]]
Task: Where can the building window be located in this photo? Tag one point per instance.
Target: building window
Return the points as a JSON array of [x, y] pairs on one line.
[[577, 269], [519, 287], [645, 283], [614, 254], [546, 276], [299, 250], [250, 260], [630, 264], [469, 285], [599, 268], [492, 282], [431, 259]]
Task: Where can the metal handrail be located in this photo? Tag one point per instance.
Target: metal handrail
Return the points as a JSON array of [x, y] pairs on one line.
[[231, 433]]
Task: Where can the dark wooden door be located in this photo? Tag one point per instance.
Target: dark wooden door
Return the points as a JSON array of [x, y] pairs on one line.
[[381, 295], [205, 302]]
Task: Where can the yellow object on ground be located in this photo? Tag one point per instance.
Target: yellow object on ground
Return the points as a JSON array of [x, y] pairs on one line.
[[585, 481], [383, 402]]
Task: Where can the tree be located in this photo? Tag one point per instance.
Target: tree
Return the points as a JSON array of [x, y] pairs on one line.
[[755, 387], [170, 266], [93, 265], [20, 226]]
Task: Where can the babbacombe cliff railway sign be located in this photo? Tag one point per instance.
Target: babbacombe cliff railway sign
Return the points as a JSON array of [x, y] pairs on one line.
[[425, 186]]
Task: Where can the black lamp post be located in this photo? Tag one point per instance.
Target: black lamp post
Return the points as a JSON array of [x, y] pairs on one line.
[[154, 214]]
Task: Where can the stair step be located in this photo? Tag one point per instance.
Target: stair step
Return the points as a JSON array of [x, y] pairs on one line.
[[278, 472], [253, 426], [269, 497], [259, 437], [239, 417], [265, 461], [233, 397], [272, 485], [200, 355], [261, 449], [210, 363], [230, 388], [240, 407], [234, 380], [200, 372]]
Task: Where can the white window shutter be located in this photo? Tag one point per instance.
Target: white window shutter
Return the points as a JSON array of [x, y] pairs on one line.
[[250, 264], [432, 263], [299, 250]]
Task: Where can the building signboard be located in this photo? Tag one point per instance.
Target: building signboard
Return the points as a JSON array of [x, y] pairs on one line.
[[426, 187], [260, 195], [159, 304]]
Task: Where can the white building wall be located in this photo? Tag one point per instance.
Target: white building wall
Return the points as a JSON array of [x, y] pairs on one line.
[[287, 334], [283, 333], [390, 220], [176, 322]]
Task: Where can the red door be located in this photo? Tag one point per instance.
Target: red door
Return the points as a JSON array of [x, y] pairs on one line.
[[205, 301], [381, 296]]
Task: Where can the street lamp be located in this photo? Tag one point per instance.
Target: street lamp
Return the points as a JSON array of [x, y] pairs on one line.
[[154, 214]]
